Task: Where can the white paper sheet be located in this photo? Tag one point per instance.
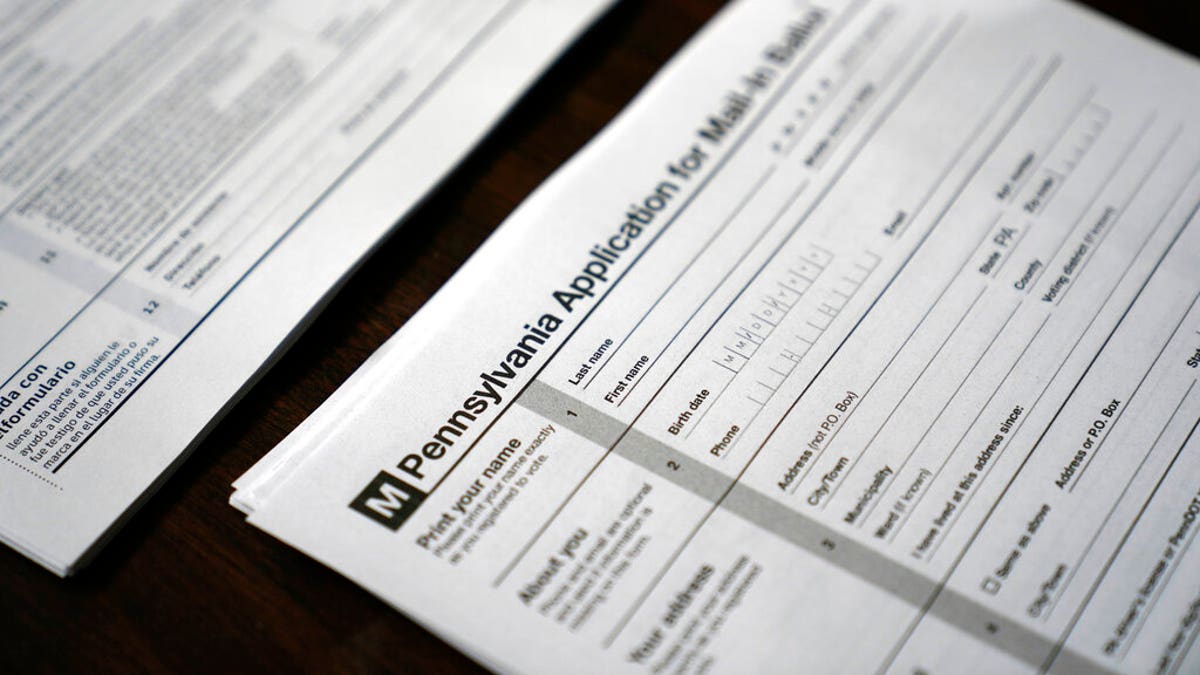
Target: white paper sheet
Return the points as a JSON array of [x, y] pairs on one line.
[[181, 184], [865, 340]]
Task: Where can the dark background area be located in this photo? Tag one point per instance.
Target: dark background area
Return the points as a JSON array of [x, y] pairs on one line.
[[187, 585]]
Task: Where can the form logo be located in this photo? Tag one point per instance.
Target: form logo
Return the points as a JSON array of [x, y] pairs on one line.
[[388, 501]]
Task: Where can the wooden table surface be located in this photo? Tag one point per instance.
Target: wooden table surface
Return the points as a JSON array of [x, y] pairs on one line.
[[187, 585]]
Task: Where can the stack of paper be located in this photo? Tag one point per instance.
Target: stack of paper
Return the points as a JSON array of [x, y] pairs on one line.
[[865, 340], [182, 182]]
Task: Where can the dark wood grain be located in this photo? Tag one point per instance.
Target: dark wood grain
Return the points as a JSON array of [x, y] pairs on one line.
[[187, 585]]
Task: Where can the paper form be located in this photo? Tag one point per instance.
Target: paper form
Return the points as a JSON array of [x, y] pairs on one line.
[[181, 183], [865, 340]]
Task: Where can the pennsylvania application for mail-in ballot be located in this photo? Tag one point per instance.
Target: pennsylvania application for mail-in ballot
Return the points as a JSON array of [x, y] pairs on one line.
[[865, 340]]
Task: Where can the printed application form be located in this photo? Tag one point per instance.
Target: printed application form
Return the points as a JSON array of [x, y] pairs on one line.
[[865, 340], [181, 183]]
